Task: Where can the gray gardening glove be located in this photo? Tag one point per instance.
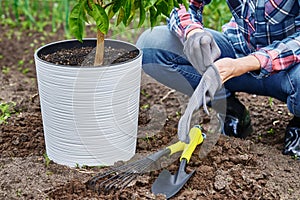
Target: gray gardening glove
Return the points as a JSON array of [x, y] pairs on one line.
[[201, 50], [205, 91]]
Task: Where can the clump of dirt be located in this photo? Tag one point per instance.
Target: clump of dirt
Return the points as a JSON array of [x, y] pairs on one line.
[[19, 140]]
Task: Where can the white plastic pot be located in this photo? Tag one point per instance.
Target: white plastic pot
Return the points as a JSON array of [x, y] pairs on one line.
[[90, 114]]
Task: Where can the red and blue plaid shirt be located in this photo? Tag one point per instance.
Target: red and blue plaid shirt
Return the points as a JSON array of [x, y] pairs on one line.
[[267, 29]]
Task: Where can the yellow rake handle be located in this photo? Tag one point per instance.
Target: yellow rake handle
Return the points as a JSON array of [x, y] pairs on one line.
[[196, 138], [178, 146], [195, 134]]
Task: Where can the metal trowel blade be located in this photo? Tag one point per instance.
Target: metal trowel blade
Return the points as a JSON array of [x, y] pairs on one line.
[[169, 184]]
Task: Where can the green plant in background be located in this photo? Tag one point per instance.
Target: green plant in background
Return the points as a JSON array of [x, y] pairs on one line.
[[47, 160], [6, 110], [271, 131], [38, 15], [271, 102], [35, 14], [216, 14], [5, 70], [144, 93], [19, 192], [145, 106], [121, 11]]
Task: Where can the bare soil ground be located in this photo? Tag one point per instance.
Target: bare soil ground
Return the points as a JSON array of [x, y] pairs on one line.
[[253, 168]]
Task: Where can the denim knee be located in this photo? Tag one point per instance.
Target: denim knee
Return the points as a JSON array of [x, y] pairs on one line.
[[293, 100], [160, 37]]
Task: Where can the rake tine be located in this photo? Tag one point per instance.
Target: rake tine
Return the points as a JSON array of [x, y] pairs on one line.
[[126, 177], [109, 172], [109, 186], [111, 179], [126, 182], [102, 184], [112, 183], [143, 166], [133, 165], [102, 175], [121, 178], [93, 181]]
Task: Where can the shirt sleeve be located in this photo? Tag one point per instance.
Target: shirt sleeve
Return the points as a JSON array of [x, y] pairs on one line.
[[280, 55], [182, 21]]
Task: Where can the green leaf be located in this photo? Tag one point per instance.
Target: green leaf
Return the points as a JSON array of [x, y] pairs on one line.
[[120, 16], [28, 14], [77, 20], [99, 15], [137, 4], [117, 5], [142, 14], [162, 7], [170, 6], [176, 4], [110, 13], [186, 4], [127, 10], [152, 2], [153, 16], [132, 13]]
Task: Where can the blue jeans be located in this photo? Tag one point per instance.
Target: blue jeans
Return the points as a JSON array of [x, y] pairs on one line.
[[164, 60]]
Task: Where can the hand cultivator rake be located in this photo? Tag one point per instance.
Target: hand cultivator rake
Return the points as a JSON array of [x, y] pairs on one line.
[[121, 176]]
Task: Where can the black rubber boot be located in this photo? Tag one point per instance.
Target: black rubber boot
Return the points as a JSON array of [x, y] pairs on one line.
[[237, 120], [292, 139]]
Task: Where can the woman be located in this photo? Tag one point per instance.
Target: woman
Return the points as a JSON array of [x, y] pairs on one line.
[[258, 52]]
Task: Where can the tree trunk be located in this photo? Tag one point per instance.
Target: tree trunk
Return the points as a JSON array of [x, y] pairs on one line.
[[99, 49], [100, 45]]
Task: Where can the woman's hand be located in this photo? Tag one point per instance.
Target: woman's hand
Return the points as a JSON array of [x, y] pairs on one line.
[[229, 67], [201, 49]]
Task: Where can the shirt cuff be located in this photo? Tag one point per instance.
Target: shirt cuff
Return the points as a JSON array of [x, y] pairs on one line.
[[191, 27], [265, 63]]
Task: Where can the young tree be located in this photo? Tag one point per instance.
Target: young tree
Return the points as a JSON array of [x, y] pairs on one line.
[[123, 11]]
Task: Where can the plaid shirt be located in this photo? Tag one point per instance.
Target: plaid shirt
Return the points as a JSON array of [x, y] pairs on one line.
[[267, 29]]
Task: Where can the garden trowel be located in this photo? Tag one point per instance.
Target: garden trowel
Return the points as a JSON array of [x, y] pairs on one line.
[[169, 184]]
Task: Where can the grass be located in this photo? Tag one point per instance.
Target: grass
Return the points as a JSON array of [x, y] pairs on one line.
[[144, 93], [36, 14], [47, 160], [271, 102], [21, 68], [5, 70], [19, 192], [145, 106], [6, 110], [271, 131]]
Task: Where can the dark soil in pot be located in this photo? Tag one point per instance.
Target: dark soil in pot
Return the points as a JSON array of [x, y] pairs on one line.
[[84, 56]]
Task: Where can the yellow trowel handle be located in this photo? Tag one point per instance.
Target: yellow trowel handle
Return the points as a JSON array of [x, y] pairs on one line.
[[196, 138]]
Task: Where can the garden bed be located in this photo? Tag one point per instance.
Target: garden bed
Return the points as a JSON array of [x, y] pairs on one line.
[[253, 168]]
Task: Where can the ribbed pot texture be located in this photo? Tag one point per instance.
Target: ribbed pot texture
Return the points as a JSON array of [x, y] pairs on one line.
[[90, 114]]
